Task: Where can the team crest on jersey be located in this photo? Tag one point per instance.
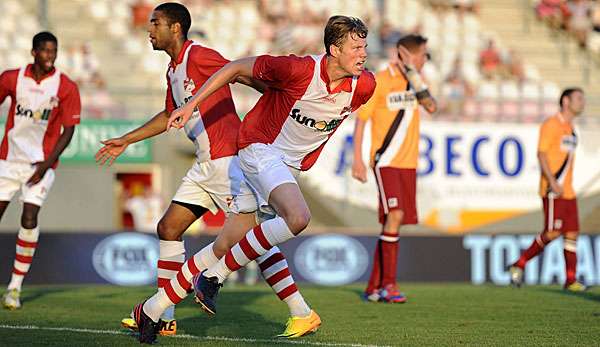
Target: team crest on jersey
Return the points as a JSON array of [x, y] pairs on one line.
[[189, 85], [312, 123], [558, 223], [42, 113], [346, 111]]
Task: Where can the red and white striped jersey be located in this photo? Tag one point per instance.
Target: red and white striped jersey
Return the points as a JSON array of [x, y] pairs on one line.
[[298, 114], [38, 111], [214, 128]]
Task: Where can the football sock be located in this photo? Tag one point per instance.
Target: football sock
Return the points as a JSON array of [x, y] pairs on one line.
[[389, 256], [171, 258], [254, 244], [178, 287], [274, 268], [570, 253], [536, 247], [26, 244]]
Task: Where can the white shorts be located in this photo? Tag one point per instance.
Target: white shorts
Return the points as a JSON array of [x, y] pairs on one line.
[[14, 175], [214, 184], [264, 170]]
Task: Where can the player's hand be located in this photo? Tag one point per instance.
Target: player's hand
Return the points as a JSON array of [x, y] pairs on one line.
[[406, 58], [111, 150], [556, 188], [359, 171], [40, 170], [180, 117]]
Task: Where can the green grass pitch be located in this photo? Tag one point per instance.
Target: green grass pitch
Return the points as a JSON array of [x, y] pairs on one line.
[[440, 314]]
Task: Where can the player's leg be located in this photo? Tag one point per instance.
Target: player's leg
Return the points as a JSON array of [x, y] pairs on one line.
[[3, 206], [536, 247], [276, 190], [176, 220], [33, 198], [570, 253], [179, 286], [570, 218], [388, 243], [292, 218], [274, 269], [538, 244], [27, 239]]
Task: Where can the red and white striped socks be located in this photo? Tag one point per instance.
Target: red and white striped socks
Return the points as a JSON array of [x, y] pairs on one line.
[[273, 266], [170, 259], [178, 287], [256, 243], [274, 269], [26, 244]]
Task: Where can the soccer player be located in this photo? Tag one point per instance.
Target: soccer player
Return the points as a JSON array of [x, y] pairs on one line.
[[394, 114], [307, 99], [556, 155], [210, 184], [44, 110]]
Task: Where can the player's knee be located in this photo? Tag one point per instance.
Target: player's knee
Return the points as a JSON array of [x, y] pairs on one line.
[[571, 235], [297, 221], [553, 234], [221, 246], [394, 219], [29, 220], [167, 231]]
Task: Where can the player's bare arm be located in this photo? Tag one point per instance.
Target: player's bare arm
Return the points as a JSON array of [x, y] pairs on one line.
[[257, 85], [554, 186], [43, 166], [116, 146], [407, 66], [359, 170], [227, 74]]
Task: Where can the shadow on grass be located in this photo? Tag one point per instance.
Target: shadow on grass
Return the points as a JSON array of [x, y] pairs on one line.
[[587, 295], [234, 318], [33, 294]]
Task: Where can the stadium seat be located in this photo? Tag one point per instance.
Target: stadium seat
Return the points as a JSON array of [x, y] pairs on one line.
[[510, 96], [488, 97], [530, 103]]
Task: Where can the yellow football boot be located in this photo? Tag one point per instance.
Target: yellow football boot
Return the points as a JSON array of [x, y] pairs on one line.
[[300, 326], [167, 328], [129, 323], [576, 287]]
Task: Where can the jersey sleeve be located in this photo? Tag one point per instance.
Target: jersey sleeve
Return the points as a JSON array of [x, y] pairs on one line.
[[548, 135], [169, 102], [289, 73], [366, 111], [7, 82], [70, 106], [206, 61], [365, 87]]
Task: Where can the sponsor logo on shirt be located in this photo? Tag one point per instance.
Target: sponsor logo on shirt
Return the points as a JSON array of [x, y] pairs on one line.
[[318, 125], [42, 113], [568, 143], [401, 100]]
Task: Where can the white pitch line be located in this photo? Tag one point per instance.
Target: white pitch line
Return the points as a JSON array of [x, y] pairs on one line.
[[192, 337]]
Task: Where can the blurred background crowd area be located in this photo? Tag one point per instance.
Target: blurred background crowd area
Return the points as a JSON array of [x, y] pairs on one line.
[[474, 74]]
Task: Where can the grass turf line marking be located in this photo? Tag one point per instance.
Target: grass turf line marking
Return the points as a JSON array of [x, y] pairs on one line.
[[186, 336]]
